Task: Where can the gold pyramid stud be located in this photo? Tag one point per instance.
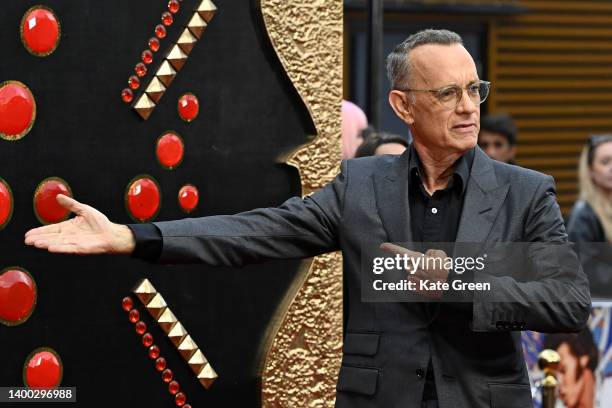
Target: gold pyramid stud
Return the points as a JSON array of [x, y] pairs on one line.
[[176, 57], [187, 348], [165, 73], [144, 107], [186, 41], [157, 306], [177, 334], [144, 289], [155, 90], [196, 25], [197, 361], [206, 9], [207, 376], [167, 320]]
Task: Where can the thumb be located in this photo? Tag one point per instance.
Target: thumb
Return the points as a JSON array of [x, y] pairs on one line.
[[69, 203]]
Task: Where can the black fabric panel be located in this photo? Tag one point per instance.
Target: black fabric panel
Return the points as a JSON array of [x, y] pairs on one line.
[[84, 133]]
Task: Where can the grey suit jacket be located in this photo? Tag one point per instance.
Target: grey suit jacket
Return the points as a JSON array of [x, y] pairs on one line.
[[477, 357]]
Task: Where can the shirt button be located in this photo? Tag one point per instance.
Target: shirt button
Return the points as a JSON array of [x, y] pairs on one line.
[[420, 373], [434, 210]]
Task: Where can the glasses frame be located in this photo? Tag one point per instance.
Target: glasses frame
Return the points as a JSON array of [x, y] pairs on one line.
[[436, 92]]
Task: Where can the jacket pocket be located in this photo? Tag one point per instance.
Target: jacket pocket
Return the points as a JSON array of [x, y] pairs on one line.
[[365, 344], [510, 395], [361, 380]]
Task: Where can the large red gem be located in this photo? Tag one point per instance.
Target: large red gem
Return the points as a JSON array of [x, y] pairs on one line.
[[140, 69], [134, 82], [188, 198], [147, 340], [160, 364], [43, 369], [147, 57], [143, 198], [17, 110], [141, 327], [17, 296], [167, 375], [188, 107], [46, 207], [180, 399], [153, 352], [127, 95], [170, 150], [40, 31], [134, 315], [6, 203]]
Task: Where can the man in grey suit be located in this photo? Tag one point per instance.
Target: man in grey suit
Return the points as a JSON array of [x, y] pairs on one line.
[[464, 353]]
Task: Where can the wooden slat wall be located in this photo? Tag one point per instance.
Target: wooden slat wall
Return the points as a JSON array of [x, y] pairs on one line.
[[552, 71]]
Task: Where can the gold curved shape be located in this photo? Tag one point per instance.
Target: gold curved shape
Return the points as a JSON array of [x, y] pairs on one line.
[[304, 351]]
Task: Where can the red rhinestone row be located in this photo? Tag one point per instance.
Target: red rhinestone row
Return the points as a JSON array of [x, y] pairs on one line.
[[167, 375], [127, 94]]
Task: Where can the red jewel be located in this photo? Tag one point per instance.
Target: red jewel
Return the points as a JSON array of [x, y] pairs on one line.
[[46, 207], [43, 370], [134, 82], [147, 57], [17, 296], [188, 198], [160, 364], [154, 43], [173, 387], [167, 375], [6, 203], [40, 31], [140, 69], [174, 6], [167, 18], [188, 107], [170, 150], [160, 31], [127, 303], [147, 340], [180, 399], [140, 327], [153, 352], [143, 198], [17, 110], [127, 95], [134, 315]]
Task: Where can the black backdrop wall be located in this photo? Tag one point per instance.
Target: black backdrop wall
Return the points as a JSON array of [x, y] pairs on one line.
[[86, 135]]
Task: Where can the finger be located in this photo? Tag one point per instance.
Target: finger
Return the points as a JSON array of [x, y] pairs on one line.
[[436, 253], [65, 249], [47, 229], [70, 203], [396, 249]]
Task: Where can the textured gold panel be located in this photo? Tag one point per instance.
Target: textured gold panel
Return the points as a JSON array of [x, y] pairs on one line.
[[303, 351]]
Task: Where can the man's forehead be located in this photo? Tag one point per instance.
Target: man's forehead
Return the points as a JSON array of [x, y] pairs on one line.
[[442, 63]]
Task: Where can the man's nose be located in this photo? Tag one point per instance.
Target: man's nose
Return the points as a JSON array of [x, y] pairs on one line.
[[466, 105]]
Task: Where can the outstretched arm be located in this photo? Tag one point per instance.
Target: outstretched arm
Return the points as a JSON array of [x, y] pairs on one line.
[[89, 233]]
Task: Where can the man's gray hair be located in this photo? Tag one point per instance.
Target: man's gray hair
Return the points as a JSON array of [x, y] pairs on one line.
[[398, 61]]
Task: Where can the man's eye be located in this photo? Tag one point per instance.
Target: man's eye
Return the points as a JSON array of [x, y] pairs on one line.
[[448, 93], [474, 89]]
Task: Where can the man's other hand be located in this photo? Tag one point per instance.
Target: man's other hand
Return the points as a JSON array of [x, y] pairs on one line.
[[89, 233]]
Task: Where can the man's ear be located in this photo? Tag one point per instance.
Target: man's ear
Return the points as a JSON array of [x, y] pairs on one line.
[[583, 361], [401, 106]]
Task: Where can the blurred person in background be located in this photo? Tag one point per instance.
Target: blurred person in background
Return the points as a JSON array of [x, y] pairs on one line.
[[497, 137], [378, 143], [590, 222], [353, 122], [576, 375]]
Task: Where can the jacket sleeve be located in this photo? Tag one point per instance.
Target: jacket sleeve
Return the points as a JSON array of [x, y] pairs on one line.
[[556, 297], [299, 228]]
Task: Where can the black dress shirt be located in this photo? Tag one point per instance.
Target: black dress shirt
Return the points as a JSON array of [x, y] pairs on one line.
[[435, 218]]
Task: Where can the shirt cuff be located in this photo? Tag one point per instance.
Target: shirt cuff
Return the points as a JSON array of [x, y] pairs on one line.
[[148, 240]]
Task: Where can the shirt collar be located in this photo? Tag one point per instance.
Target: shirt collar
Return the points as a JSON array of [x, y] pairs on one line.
[[462, 167]]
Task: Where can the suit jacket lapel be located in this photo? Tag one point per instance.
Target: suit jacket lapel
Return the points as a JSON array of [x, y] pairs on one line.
[[483, 200], [391, 189]]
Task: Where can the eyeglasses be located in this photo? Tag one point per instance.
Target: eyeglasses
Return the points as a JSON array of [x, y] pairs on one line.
[[450, 96]]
